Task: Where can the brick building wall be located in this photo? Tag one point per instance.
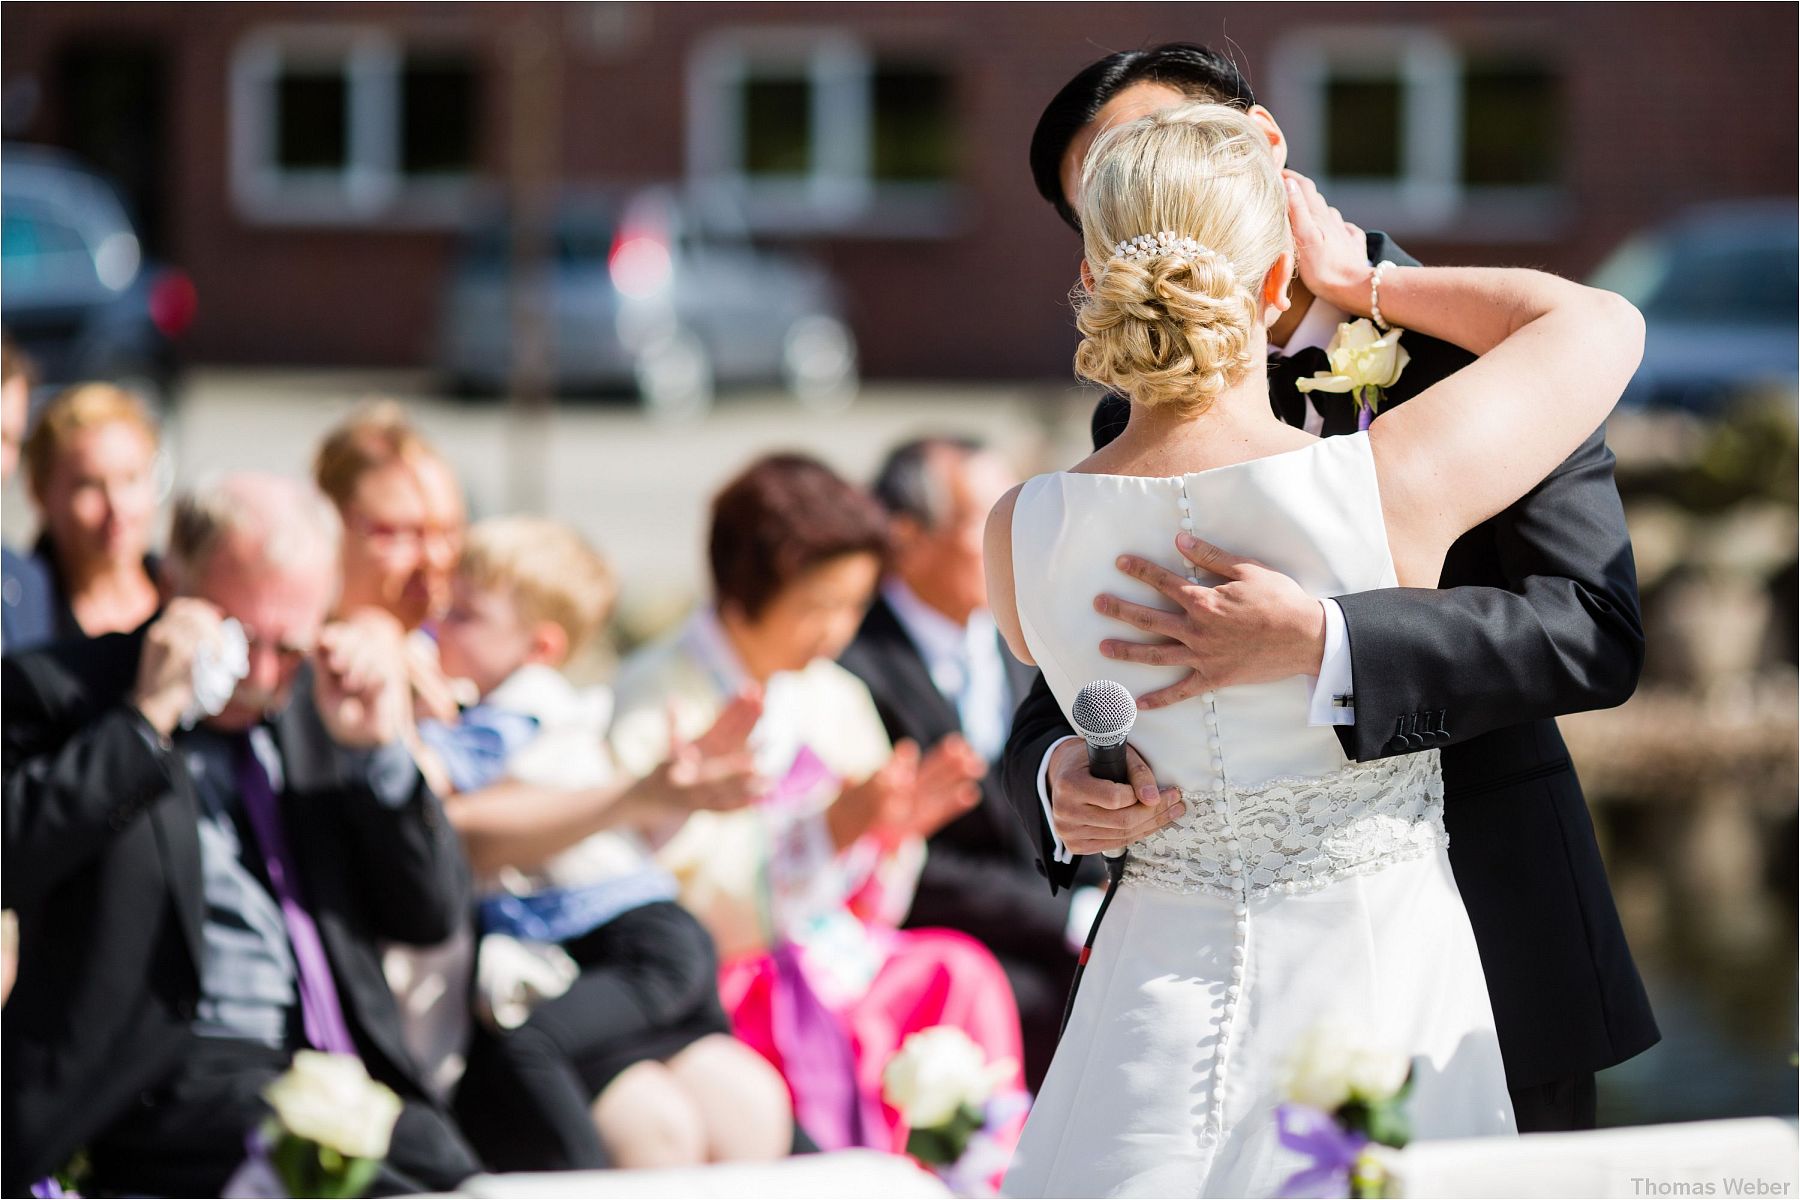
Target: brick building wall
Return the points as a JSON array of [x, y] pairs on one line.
[[1660, 106]]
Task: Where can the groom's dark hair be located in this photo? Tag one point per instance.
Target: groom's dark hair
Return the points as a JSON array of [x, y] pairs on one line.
[[1196, 71]]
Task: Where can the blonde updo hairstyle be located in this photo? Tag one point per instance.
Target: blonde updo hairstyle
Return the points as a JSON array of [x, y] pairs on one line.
[[1170, 329]]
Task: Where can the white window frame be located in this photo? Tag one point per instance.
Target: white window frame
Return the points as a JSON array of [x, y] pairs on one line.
[[371, 189], [837, 195], [1429, 197]]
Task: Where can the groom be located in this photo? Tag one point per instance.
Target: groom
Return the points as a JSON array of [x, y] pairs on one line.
[[1535, 615]]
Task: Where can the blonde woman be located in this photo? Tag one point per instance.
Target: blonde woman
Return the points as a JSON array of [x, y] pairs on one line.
[[91, 465], [1289, 887]]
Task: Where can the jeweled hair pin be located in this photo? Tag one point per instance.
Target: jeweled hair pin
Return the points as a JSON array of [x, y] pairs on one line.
[[1146, 246]]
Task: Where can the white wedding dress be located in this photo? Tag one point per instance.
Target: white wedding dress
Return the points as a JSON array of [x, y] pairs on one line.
[[1298, 888]]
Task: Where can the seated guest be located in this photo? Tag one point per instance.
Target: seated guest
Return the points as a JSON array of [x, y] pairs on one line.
[[24, 583], [403, 515], [206, 869], [26, 592], [804, 892], [610, 1022], [91, 464], [936, 666]]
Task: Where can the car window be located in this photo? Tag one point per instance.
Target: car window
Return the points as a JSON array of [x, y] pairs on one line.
[[1756, 282], [40, 254], [582, 244]]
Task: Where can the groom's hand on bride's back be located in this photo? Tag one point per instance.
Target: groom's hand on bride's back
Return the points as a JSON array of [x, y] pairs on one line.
[[1257, 626], [1093, 815]]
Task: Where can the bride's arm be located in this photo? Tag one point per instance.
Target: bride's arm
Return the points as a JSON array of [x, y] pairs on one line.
[[997, 555], [1554, 358]]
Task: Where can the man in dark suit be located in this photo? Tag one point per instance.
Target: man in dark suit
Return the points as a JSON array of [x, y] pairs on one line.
[[937, 668], [201, 895], [1536, 615]]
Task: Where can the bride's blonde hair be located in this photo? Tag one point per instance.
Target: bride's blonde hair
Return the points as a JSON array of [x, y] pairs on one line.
[[1163, 326]]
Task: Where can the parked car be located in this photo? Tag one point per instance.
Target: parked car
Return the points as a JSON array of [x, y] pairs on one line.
[[643, 295], [1719, 287], [75, 292]]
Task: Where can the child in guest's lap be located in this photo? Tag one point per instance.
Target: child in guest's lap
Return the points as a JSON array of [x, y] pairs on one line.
[[603, 1041]]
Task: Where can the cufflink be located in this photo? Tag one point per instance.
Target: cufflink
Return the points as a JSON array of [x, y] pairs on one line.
[[1344, 700]]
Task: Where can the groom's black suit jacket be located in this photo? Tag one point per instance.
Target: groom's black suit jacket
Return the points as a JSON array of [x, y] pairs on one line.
[[1535, 615], [102, 863]]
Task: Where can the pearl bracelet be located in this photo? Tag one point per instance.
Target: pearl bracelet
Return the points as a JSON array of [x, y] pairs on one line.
[[1375, 294]]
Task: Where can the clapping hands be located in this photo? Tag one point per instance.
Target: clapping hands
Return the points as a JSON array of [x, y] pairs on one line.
[[911, 795], [715, 772]]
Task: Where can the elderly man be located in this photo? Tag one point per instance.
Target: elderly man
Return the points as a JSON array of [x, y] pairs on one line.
[[937, 668], [204, 895]]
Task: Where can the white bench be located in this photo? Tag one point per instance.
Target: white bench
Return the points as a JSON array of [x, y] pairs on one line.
[[864, 1174], [1755, 1157]]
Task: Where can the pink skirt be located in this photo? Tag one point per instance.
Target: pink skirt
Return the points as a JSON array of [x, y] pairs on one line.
[[929, 977]]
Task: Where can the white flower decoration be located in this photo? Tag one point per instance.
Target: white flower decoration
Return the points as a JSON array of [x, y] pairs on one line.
[[1360, 358], [937, 1072], [1332, 1065], [330, 1099]]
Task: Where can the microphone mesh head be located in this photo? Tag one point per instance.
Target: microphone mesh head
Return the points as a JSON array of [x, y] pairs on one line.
[[1103, 712]]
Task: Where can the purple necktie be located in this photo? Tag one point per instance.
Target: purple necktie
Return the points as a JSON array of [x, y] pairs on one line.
[[320, 1012]]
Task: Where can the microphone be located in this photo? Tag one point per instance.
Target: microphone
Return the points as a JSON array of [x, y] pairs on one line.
[[1103, 714]]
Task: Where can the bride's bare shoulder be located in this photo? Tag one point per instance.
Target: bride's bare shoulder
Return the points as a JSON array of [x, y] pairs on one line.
[[997, 542], [997, 552]]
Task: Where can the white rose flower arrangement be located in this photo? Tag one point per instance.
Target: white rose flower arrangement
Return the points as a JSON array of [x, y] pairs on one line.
[[949, 1095], [1346, 1097], [329, 1134]]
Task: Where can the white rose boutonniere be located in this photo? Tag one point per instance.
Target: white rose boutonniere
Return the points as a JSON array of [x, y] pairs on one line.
[[1364, 362], [330, 1131]]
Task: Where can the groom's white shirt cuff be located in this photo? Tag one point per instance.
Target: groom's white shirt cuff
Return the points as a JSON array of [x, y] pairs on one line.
[[1062, 852], [1333, 679]]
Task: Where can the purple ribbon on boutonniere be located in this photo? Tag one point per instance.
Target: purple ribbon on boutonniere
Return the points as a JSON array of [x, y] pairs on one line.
[[1333, 1151]]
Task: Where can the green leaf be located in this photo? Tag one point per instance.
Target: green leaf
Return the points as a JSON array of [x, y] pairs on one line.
[[358, 1176], [930, 1146], [294, 1163], [1388, 1122], [943, 1144], [309, 1171]]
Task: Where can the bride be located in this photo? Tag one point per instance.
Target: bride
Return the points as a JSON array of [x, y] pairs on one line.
[[1294, 887]]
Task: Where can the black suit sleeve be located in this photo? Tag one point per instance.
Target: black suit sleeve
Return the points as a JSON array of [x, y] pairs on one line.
[[71, 784], [408, 862], [1563, 634], [1038, 723]]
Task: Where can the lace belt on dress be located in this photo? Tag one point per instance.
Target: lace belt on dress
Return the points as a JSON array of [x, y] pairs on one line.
[[1297, 834]]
